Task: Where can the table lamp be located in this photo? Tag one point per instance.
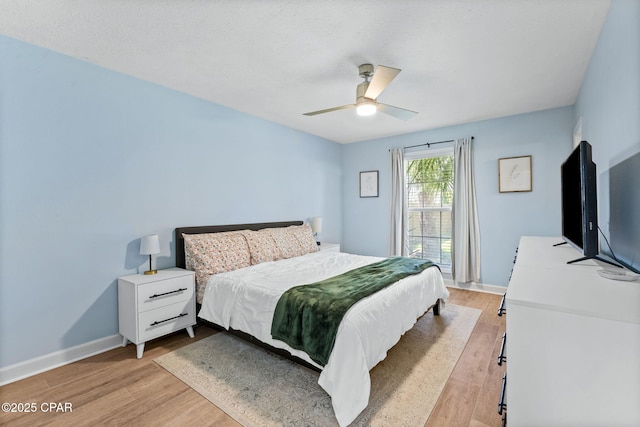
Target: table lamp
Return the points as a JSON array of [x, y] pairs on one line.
[[316, 227], [150, 245]]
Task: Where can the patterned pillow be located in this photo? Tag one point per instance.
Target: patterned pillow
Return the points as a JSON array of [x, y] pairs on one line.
[[262, 247], [201, 284], [286, 241], [213, 253], [305, 237]]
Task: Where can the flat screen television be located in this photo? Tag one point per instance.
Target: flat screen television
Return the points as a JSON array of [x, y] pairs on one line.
[[579, 203]]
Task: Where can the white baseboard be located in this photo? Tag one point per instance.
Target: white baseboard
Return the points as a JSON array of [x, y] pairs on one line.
[[478, 287], [34, 366]]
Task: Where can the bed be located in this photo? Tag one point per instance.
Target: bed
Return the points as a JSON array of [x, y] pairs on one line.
[[247, 268]]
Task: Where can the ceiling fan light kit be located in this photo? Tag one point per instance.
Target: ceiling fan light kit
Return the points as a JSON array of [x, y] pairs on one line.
[[366, 108], [368, 91]]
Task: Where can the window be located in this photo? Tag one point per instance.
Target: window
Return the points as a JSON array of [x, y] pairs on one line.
[[429, 180]]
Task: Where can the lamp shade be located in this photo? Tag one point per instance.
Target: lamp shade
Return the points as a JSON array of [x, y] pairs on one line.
[[150, 245], [316, 224]]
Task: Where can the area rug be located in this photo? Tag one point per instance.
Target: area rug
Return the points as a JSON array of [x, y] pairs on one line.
[[259, 388]]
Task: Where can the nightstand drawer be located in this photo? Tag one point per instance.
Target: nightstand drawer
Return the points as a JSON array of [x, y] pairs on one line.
[[165, 292], [167, 319]]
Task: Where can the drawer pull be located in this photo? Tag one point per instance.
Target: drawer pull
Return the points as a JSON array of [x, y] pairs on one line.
[[501, 405], [157, 322], [167, 293], [502, 357], [502, 309]]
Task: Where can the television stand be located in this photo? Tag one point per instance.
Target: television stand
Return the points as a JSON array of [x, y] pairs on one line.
[[596, 258], [584, 258]]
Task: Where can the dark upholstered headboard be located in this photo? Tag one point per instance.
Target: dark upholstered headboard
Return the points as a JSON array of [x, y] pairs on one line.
[[180, 258]]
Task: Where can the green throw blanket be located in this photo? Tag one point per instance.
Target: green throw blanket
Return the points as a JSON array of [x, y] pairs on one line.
[[307, 316]]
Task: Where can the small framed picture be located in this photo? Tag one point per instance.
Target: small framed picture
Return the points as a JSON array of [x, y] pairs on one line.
[[514, 174], [369, 184]]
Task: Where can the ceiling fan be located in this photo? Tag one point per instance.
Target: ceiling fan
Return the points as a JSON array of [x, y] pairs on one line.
[[368, 91]]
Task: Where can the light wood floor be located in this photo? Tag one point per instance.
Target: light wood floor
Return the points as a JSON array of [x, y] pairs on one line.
[[115, 388]]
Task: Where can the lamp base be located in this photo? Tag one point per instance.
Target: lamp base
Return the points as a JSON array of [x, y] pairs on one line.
[[151, 272]]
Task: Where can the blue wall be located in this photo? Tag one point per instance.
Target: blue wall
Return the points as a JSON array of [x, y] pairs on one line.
[[503, 217], [609, 104], [90, 160]]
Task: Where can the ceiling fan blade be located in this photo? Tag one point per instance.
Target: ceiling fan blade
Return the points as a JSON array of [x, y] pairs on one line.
[[381, 79], [328, 110], [397, 112]]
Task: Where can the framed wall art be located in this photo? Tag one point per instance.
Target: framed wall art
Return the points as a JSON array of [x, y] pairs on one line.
[[369, 184], [514, 174]]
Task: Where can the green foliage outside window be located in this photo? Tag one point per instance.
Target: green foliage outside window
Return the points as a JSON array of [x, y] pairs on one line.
[[430, 197]]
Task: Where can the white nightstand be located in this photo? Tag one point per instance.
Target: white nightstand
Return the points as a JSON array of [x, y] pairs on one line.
[[334, 247], [150, 306]]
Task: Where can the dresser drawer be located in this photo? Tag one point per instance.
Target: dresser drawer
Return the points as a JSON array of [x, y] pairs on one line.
[[167, 319], [165, 292]]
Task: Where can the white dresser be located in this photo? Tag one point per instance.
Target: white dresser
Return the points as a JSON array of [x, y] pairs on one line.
[[573, 341], [151, 306]]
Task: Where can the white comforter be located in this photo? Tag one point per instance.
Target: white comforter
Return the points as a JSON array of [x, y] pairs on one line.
[[245, 300]]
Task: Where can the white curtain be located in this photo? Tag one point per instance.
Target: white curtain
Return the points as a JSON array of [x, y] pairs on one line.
[[465, 262], [398, 238]]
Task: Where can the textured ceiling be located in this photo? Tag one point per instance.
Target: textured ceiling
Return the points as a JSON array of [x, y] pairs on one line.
[[461, 60]]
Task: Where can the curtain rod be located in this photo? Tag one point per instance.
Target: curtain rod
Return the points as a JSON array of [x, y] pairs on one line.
[[429, 144]]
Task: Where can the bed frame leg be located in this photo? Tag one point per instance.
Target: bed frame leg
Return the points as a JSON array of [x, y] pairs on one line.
[[436, 308]]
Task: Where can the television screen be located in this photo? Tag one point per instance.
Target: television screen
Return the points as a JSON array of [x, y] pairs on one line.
[[579, 204]]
